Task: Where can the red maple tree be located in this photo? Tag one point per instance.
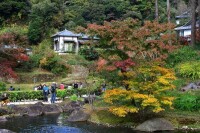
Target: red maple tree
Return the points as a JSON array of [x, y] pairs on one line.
[[11, 53]]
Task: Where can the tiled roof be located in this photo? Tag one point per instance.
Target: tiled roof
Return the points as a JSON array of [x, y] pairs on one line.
[[66, 33], [187, 26]]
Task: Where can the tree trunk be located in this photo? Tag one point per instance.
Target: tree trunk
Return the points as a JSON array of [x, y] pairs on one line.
[[193, 22], [168, 11], [198, 18], [176, 3], [156, 10]]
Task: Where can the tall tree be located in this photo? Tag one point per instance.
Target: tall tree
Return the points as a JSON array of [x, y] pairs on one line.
[[168, 10], [199, 18], [156, 10], [193, 22], [44, 16]]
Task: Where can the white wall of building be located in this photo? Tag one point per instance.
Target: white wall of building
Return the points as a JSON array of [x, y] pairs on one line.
[[62, 46]]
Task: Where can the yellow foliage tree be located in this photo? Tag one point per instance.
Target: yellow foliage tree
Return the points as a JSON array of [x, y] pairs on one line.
[[146, 91]]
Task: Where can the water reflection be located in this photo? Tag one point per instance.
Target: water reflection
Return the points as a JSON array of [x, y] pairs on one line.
[[58, 124]]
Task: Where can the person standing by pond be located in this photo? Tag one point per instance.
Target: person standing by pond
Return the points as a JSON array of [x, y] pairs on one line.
[[53, 92], [104, 87], [45, 92], [75, 88]]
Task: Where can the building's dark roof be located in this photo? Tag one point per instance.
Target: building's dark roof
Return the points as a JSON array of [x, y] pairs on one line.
[[187, 26], [66, 33], [80, 36]]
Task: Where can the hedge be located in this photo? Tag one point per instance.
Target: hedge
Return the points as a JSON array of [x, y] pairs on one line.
[[37, 95]]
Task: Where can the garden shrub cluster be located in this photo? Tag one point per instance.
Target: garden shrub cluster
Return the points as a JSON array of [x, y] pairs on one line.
[[44, 57], [183, 54], [2, 86], [187, 101], [89, 53], [189, 69]]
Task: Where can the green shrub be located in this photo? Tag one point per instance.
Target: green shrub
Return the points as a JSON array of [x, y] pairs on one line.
[[189, 69], [183, 54], [2, 86], [89, 53], [20, 30], [35, 60], [187, 102], [179, 83], [74, 97], [63, 93]]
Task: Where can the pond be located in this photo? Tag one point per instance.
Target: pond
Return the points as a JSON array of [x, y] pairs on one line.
[[58, 124]]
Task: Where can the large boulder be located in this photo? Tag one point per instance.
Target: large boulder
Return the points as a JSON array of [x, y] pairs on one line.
[[2, 119], [78, 116], [52, 109], [3, 111], [36, 109], [29, 110], [18, 110], [69, 107], [157, 124]]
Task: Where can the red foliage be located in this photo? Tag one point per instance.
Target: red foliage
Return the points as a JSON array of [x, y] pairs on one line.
[[129, 40], [6, 70], [101, 63], [124, 65], [184, 40], [11, 53]]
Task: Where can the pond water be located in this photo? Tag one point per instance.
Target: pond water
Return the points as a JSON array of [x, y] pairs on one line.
[[58, 124]]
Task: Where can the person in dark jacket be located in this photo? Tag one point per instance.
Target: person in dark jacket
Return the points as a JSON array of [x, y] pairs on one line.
[[53, 92]]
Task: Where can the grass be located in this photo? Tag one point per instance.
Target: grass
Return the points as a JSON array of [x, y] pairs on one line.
[[183, 118], [36, 71]]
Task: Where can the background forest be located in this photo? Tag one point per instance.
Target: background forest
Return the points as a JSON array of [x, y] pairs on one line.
[[27, 23]]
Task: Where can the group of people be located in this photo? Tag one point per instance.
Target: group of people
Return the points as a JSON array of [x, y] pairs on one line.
[[48, 90]]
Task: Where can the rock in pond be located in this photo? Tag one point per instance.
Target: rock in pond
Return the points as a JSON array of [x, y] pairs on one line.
[[78, 116], [52, 109], [36, 109], [3, 119], [157, 124]]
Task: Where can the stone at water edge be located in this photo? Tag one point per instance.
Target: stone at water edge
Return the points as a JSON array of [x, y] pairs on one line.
[[2, 119], [156, 124], [78, 116]]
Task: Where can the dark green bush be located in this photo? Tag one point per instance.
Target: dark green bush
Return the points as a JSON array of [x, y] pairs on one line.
[[187, 101], [35, 60], [2, 86], [24, 95], [89, 53], [186, 53]]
